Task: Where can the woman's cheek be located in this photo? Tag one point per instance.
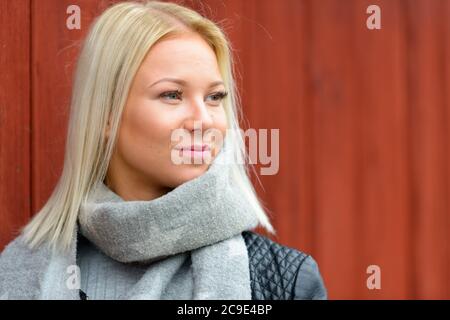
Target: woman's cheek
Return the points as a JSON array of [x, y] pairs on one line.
[[148, 122], [220, 125], [139, 136]]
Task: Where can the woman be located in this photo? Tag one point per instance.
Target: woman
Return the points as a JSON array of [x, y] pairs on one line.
[[148, 205]]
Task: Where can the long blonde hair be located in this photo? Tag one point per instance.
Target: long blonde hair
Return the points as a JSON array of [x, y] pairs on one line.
[[110, 57]]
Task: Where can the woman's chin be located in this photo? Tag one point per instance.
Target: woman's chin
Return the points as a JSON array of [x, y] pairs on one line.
[[185, 173]]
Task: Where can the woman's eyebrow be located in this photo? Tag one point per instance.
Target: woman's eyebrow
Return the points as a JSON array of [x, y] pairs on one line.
[[183, 82]]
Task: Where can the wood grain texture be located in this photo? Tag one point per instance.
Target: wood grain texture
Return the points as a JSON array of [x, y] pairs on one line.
[[15, 128]]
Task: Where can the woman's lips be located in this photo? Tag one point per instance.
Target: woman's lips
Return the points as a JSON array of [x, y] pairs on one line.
[[194, 151], [194, 147]]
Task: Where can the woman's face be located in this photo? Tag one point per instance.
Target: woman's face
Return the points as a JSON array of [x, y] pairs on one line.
[[177, 89]]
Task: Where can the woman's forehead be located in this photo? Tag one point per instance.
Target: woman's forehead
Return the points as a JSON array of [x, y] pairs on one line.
[[186, 58]]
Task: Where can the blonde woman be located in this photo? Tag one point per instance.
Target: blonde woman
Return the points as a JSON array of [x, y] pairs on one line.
[[149, 205]]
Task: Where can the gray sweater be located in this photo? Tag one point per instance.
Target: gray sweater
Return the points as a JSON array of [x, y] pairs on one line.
[[103, 278]]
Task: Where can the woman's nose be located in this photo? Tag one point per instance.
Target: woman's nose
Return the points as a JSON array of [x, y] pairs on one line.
[[198, 116]]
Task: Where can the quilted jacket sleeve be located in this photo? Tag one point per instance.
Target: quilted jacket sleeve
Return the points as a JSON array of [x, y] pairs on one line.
[[309, 284]]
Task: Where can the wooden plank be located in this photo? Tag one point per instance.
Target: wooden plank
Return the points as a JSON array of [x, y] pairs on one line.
[[446, 12], [335, 151], [383, 216], [429, 146], [14, 118], [446, 33]]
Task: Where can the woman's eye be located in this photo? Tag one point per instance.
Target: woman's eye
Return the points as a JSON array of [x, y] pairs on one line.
[[218, 96], [172, 95]]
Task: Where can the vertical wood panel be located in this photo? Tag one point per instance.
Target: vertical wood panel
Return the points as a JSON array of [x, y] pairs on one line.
[[336, 142], [446, 176], [383, 196], [429, 145], [14, 118]]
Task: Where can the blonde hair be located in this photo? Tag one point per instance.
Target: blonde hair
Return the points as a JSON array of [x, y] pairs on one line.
[[111, 54]]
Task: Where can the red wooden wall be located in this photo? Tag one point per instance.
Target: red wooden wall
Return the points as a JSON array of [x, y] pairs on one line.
[[364, 119]]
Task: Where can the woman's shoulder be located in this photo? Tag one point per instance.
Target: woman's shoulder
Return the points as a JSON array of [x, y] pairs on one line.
[[279, 272], [19, 265], [19, 248], [14, 248]]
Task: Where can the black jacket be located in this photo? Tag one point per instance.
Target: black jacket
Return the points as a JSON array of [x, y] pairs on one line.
[[278, 272]]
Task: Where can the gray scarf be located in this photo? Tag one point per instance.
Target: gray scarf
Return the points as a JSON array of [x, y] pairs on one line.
[[203, 217]]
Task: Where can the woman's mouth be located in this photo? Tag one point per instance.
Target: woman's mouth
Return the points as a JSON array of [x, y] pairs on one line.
[[195, 151]]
